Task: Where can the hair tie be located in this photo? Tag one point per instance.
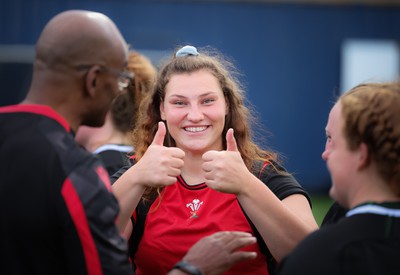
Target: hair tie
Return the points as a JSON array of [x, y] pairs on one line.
[[187, 50]]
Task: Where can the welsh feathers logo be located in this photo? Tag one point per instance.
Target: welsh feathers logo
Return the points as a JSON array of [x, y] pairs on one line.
[[194, 206]]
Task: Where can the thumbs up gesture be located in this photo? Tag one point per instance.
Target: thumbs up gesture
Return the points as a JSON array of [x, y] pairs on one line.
[[160, 165], [225, 171]]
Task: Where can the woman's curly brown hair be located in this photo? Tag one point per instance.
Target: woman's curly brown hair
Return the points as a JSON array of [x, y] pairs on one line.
[[239, 117], [371, 114]]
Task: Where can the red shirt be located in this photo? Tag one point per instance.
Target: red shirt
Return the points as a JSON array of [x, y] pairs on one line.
[[184, 215]]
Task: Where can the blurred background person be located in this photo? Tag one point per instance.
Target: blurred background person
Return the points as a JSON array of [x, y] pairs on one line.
[[111, 142]]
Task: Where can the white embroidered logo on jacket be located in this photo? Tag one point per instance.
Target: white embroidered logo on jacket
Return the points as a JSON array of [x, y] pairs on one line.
[[194, 206]]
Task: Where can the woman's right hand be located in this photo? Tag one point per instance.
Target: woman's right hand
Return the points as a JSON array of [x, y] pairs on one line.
[[160, 165]]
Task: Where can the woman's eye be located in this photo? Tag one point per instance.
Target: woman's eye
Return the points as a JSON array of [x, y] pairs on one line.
[[179, 103], [208, 100]]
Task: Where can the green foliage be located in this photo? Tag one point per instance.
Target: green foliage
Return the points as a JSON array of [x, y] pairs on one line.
[[320, 205]]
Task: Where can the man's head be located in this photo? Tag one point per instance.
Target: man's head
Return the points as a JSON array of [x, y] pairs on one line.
[[80, 60]]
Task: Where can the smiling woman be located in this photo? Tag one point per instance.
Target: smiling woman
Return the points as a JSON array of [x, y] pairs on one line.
[[219, 178]]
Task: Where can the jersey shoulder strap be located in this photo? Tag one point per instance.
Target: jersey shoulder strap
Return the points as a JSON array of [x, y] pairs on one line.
[[138, 219], [258, 169]]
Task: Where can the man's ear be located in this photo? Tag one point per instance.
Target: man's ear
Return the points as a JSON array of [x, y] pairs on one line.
[[91, 80], [363, 156]]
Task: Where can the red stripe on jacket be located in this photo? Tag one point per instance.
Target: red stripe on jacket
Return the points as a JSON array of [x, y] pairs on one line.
[[77, 212], [43, 110]]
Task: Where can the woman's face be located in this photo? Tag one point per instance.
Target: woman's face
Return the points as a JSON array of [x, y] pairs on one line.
[[194, 109]]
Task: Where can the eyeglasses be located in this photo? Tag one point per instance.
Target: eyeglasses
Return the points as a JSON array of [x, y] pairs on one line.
[[124, 77]]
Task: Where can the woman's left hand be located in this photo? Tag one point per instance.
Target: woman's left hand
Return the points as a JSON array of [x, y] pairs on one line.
[[225, 171]]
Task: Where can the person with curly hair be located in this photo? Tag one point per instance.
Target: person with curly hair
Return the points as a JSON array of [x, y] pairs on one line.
[[362, 153], [217, 177]]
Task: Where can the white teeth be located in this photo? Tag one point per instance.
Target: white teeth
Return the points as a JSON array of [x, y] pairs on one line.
[[195, 129]]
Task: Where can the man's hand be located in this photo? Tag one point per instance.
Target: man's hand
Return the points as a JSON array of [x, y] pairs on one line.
[[218, 252]]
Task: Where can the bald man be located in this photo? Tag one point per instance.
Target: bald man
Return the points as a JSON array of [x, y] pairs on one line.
[[57, 213]]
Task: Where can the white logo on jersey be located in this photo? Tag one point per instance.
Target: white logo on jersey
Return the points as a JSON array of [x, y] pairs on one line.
[[194, 205]]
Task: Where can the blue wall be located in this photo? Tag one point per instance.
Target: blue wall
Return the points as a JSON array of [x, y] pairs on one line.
[[289, 55]]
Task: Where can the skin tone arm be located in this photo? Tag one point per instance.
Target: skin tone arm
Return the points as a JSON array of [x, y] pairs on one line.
[[282, 224], [159, 166], [218, 252]]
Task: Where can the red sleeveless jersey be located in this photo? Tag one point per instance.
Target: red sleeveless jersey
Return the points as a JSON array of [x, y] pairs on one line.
[[182, 216]]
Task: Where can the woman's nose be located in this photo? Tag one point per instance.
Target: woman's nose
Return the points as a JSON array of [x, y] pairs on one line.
[[195, 114]]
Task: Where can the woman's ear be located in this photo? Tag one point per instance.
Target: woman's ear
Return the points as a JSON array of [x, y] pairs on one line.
[[162, 113], [226, 105]]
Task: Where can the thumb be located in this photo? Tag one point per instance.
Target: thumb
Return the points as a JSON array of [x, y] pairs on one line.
[[230, 141], [160, 134]]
